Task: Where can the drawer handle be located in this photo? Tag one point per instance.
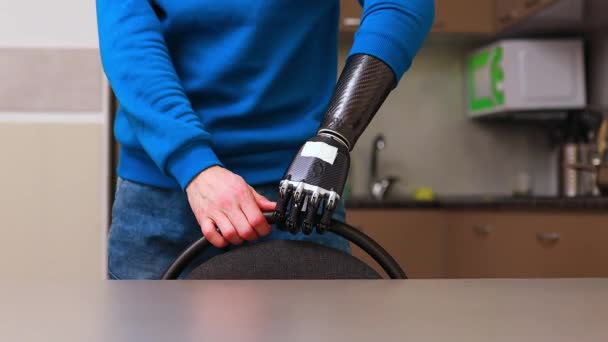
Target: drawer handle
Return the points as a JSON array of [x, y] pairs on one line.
[[351, 21], [506, 18], [514, 14], [548, 236], [482, 229]]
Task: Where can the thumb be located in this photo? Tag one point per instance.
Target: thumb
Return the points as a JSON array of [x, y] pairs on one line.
[[264, 203]]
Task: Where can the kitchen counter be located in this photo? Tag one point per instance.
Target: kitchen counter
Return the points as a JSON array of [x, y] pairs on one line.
[[416, 310], [483, 202]]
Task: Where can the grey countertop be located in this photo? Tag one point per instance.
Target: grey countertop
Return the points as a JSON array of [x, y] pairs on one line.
[[483, 202], [383, 310]]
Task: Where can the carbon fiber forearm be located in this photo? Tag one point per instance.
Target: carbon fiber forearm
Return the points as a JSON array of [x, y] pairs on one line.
[[362, 87], [314, 181]]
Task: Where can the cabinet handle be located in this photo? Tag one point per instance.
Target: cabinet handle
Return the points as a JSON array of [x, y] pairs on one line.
[[531, 3], [548, 236], [351, 21], [506, 17], [482, 229]]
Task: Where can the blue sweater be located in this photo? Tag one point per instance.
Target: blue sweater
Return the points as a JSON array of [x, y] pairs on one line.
[[238, 83]]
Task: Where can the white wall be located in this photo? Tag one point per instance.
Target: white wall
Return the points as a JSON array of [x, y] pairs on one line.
[[57, 23], [54, 139], [50, 211], [431, 142]]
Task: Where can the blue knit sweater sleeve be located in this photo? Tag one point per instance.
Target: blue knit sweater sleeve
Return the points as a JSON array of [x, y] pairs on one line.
[[394, 30], [137, 63]]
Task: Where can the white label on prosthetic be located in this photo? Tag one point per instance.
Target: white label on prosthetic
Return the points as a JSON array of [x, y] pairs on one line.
[[321, 150]]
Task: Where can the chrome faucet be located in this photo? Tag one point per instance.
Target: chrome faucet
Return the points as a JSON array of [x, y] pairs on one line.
[[379, 187]]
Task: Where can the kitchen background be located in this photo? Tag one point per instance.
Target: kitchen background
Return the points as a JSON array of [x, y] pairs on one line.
[[431, 142], [57, 154]]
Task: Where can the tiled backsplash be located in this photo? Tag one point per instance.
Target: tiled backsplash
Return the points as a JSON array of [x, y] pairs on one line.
[[50, 79], [430, 141]]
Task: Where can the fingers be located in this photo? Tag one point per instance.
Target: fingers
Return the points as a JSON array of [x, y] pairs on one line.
[[311, 214], [229, 232], [243, 228], [280, 212], [222, 199], [263, 203], [293, 221], [211, 234], [296, 211], [254, 216], [300, 210], [332, 202], [325, 220]]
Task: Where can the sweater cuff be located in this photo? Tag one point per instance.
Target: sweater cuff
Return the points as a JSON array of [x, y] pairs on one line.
[[190, 161], [382, 47]]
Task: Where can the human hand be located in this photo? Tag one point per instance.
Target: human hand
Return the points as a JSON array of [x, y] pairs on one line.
[[222, 199]]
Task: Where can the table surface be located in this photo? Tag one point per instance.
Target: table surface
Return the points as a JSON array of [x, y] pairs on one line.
[[383, 310]]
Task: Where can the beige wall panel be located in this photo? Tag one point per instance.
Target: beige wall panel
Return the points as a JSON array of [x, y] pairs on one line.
[[47, 80], [51, 201]]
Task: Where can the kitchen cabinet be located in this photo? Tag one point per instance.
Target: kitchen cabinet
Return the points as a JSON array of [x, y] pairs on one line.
[[510, 12], [488, 243], [350, 15], [464, 16], [416, 239], [483, 17], [526, 245]]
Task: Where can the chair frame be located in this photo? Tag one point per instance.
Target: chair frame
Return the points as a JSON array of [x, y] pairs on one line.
[[350, 233]]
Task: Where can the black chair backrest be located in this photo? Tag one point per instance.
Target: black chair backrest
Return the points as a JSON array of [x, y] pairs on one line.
[[284, 260], [291, 259]]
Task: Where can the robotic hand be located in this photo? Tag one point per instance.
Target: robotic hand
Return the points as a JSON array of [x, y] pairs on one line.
[[312, 186]]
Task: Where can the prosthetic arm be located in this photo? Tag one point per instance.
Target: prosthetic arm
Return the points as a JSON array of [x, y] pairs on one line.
[[314, 182]]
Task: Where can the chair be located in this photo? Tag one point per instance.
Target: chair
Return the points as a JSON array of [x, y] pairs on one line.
[[284, 260], [288, 260]]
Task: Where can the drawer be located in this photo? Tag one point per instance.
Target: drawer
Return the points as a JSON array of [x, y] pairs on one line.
[[557, 246], [416, 239], [477, 246], [526, 245]]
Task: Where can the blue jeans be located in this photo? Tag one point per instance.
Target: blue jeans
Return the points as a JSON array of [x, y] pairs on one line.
[[152, 226]]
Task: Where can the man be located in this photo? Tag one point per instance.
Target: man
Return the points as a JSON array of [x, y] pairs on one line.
[[222, 101]]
